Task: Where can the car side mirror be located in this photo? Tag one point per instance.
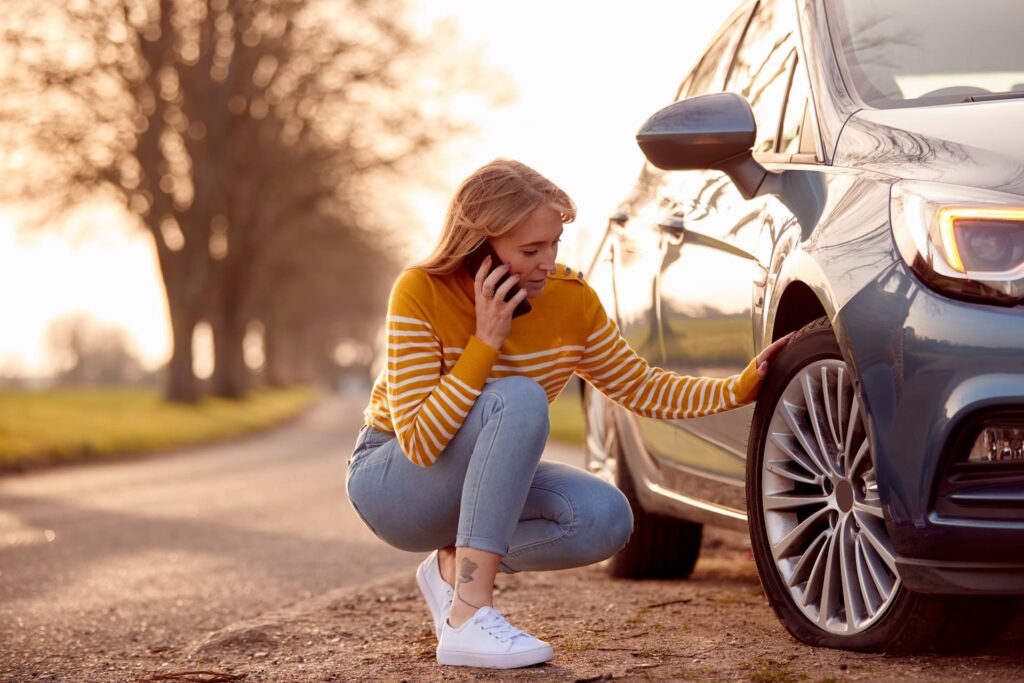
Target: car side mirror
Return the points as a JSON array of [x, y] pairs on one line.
[[714, 131]]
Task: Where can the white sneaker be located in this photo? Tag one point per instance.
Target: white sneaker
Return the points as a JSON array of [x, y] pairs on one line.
[[488, 640], [436, 591]]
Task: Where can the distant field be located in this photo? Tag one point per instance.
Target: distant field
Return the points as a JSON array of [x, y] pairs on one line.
[[699, 342], [567, 416], [74, 424]]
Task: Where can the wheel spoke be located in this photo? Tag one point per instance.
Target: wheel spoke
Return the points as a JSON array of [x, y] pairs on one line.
[[799, 534], [803, 569], [841, 383], [793, 501], [862, 453], [869, 589], [830, 586], [816, 413], [848, 573], [879, 540], [797, 454], [850, 429], [816, 579], [807, 441], [795, 474], [873, 510], [877, 568], [829, 411]]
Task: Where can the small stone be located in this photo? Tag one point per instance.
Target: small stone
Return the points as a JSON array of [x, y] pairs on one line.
[[260, 655], [843, 666]]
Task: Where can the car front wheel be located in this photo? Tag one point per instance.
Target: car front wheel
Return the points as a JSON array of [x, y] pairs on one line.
[[817, 524]]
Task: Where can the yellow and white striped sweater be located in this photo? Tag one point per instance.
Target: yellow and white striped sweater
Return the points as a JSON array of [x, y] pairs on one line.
[[436, 368]]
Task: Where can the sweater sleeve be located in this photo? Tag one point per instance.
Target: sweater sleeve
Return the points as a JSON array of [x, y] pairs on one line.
[[615, 369], [427, 406]]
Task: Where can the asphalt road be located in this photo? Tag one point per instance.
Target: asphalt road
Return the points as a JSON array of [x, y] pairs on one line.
[[109, 557], [104, 560]]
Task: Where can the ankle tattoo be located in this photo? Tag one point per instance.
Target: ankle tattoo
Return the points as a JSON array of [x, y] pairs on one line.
[[468, 567], [466, 576]]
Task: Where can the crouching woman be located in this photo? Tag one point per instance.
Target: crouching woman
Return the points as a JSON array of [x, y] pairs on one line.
[[448, 460]]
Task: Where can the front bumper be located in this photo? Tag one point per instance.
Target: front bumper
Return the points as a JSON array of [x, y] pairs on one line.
[[927, 365]]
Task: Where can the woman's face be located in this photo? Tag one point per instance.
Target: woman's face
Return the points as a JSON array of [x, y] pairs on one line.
[[531, 247]]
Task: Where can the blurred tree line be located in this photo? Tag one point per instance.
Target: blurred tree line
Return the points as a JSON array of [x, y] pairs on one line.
[[89, 352], [259, 142]]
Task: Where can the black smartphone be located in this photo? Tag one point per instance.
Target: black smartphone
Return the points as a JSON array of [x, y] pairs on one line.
[[472, 264]]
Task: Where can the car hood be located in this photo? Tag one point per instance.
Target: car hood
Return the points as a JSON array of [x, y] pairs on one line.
[[973, 144]]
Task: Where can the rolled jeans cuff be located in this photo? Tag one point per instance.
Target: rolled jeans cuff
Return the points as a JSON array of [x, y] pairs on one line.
[[478, 543]]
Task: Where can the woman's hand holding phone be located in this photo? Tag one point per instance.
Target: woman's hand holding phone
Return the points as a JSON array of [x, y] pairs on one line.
[[493, 313]]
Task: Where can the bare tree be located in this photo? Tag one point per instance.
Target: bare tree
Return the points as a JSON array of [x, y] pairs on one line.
[[88, 352], [328, 287], [225, 126]]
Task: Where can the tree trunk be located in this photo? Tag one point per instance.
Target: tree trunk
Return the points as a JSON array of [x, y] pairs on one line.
[[181, 381], [230, 374], [274, 343]]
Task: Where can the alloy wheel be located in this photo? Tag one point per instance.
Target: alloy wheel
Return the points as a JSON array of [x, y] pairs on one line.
[[822, 511]]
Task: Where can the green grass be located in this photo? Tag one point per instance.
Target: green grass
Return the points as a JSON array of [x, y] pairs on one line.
[[567, 416], [68, 424]]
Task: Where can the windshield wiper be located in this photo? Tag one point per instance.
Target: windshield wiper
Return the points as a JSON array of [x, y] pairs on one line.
[[1015, 94]]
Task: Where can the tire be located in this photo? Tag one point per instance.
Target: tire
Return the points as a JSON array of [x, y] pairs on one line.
[[816, 521], [660, 547]]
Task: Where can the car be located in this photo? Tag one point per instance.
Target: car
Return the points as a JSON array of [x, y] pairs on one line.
[[850, 171]]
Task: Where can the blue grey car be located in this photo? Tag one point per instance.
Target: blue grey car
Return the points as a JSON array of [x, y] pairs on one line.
[[851, 171]]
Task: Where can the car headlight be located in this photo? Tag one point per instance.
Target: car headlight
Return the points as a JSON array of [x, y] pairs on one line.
[[963, 241]]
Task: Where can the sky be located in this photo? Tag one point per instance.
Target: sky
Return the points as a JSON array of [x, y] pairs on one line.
[[586, 74]]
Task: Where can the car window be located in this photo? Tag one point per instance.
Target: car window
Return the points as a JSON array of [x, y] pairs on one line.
[[916, 53], [794, 139], [761, 69], [709, 76]]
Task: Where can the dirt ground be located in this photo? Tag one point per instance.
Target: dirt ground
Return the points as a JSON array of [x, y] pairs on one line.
[[715, 626]]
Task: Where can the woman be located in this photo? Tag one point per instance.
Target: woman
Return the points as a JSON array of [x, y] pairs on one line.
[[449, 458]]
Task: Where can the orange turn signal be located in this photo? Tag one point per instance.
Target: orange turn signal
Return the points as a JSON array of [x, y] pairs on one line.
[[949, 217]]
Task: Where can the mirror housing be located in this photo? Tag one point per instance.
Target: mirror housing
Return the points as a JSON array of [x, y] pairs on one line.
[[715, 131]]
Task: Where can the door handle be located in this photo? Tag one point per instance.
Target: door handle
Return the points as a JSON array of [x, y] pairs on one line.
[[618, 219], [673, 225]]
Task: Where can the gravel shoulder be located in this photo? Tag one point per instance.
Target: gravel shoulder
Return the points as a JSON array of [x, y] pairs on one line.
[[715, 626]]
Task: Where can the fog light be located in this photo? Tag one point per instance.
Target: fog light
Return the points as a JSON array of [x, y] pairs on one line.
[[998, 443]]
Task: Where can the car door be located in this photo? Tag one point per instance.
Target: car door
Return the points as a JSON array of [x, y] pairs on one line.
[[706, 285], [637, 249]]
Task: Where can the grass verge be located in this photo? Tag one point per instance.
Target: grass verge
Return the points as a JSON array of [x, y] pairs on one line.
[[567, 416], [73, 424]]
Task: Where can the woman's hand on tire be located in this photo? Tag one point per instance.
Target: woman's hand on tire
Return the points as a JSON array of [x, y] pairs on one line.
[[493, 313], [764, 358]]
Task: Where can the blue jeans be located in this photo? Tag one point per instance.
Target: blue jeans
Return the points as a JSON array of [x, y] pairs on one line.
[[489, 490]]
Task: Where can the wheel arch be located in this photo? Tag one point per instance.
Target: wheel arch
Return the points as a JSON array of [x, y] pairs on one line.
[[799, 305]]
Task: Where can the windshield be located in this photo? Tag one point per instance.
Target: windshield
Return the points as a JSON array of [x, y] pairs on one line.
[[921, 52]]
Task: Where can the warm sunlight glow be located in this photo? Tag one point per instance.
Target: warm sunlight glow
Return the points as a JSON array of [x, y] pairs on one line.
[[582, 77]]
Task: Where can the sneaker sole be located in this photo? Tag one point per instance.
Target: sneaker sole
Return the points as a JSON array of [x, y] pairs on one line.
[[432, 603], [510, 660]]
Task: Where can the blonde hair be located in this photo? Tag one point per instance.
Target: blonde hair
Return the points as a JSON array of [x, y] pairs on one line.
[[493, 200]]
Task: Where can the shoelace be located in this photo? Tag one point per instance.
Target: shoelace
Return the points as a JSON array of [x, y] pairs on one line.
[[496, 625]]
